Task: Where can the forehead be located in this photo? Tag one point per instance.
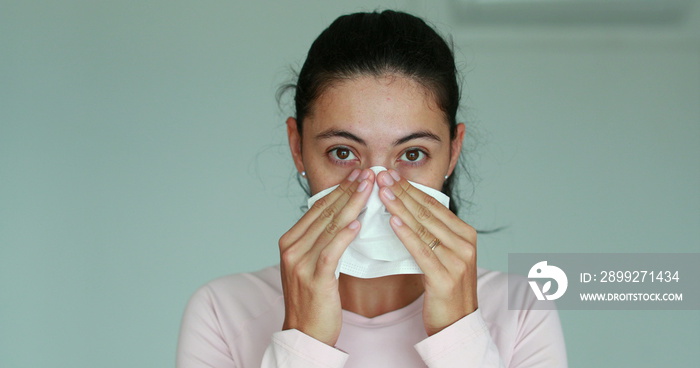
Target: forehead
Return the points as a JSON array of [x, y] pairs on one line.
[[386, 105]]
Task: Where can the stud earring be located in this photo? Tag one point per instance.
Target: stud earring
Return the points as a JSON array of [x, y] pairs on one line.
[[303, 174], [446, 176]]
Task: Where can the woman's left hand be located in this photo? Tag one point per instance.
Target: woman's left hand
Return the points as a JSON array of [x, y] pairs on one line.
[[449, 268]]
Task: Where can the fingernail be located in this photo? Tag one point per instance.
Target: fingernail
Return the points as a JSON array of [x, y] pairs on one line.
[[386, 179], [395, 175], [355, 173], [388, 194], [397, 221], [365, 174], [363, 186], [354, 225]]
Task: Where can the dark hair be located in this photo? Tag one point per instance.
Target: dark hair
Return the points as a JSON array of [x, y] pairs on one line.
[[378, 44]]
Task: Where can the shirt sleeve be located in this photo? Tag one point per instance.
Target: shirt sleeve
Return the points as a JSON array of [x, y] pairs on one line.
[[540, 340], [294, 349], [467, 340], [539, 343], [202, 343]]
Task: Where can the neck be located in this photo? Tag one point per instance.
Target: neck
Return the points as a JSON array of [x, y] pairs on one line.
[[377, 296]]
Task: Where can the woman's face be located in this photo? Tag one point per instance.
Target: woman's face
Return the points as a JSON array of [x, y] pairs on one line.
[[389, 121]]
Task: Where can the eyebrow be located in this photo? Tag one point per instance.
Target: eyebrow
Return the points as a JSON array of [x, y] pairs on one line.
[[332, 133], [417, 135]]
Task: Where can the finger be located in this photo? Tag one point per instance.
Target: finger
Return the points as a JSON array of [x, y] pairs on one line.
[[423, 224], [450, 248], [426, 259], [437, 209], [433, 206], [436, 263], [329, 256], [318, 208], [339, 214], [417, 216]]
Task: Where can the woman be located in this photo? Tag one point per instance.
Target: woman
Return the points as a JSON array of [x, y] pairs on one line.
[[377, 89]]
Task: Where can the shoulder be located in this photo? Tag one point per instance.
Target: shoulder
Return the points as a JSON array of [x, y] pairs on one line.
[[230, 319], [522, 332], [507, 302], [241, 297], [509, 291], [263, 284]]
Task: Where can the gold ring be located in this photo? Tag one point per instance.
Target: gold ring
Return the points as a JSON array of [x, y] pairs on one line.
[[433, 244]]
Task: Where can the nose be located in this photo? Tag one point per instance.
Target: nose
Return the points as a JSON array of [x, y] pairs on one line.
[[379, 161], [378, 168]]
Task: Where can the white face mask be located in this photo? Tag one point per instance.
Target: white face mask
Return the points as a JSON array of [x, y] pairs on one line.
[[377, 251]]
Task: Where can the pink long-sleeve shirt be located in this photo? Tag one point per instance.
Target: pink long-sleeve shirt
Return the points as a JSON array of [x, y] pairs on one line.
[[235, 321]]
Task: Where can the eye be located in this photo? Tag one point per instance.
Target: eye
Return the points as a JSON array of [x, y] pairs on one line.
[[413, 155], [342, 154]]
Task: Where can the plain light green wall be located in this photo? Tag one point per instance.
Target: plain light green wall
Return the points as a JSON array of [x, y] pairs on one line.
[[142, 154]]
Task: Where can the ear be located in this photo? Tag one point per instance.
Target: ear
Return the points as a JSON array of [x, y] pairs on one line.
[[456, 148], [295, 143]]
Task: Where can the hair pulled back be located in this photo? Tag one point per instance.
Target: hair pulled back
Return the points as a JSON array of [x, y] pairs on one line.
[[379, 44]]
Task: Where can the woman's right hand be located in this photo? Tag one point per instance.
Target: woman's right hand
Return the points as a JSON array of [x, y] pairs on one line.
[[310, 252]]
